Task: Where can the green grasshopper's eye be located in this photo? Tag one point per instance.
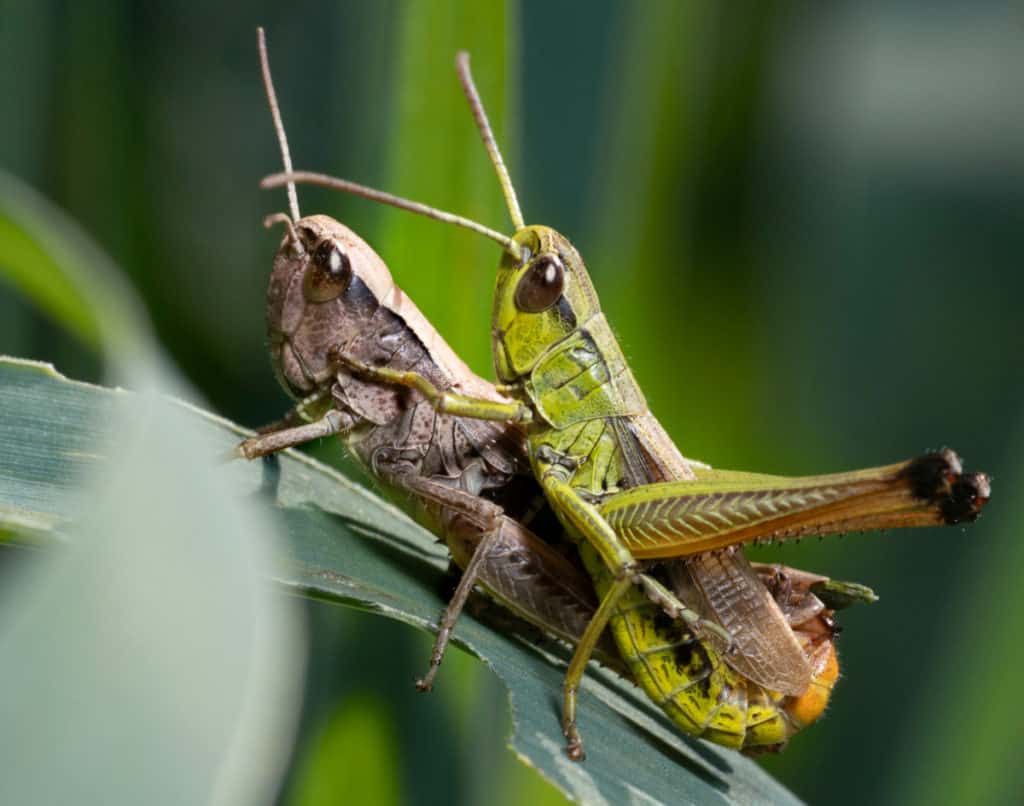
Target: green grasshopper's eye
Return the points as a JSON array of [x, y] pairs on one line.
[[329, 273], [541, 286]]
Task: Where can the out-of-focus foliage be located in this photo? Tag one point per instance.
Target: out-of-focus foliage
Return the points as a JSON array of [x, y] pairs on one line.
[[147, 660], [805, 225]]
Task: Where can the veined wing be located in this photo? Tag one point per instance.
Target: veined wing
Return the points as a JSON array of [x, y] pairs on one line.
[[765, 649]]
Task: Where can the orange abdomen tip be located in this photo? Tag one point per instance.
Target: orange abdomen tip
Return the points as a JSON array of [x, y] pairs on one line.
[[809, 706]]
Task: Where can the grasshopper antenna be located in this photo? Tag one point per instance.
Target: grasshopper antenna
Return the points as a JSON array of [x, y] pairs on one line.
[[323, 180], [275, 113], [469, 88]]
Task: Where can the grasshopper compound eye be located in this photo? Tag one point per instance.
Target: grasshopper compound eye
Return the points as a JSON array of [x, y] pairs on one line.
[[328, 274], [542, 285]]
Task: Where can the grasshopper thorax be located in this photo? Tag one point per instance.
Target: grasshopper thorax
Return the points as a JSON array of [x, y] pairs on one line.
[[539, 300]]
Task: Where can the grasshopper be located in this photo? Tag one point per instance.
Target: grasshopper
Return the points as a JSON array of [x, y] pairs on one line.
[[467, 480], [637, 507]]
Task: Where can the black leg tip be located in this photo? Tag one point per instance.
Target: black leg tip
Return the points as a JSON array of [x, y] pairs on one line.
[[931, 476], [969, 494], [938, 478]]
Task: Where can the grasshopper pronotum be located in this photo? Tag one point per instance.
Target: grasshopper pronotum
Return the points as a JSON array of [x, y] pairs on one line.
[[629, 498]]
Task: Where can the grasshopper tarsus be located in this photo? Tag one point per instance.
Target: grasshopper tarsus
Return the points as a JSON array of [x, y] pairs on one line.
[[573, 740], [426, 683]]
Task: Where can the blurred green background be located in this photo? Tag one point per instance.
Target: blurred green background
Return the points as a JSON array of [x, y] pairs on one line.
[[804, 221]]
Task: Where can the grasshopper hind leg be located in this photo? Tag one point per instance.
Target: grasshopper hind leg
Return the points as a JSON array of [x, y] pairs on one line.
[[456, 604]]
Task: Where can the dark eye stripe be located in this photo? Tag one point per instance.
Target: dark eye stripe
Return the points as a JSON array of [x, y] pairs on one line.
[[566, 312]]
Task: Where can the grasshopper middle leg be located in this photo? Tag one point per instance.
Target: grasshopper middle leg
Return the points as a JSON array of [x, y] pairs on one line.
[[486, 519]]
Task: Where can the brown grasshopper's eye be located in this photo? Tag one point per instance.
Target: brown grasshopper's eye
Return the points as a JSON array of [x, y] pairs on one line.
[[329, 273], [541, 286]]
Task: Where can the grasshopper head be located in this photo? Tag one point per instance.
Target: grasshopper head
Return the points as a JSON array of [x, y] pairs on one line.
[[325, 286], [538, 301]]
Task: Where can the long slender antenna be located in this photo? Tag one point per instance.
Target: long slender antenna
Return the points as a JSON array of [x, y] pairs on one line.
[[469, 88], [323, 180], [275, 112]]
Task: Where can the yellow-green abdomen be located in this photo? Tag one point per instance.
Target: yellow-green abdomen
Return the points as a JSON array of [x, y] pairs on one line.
[[696, 688]]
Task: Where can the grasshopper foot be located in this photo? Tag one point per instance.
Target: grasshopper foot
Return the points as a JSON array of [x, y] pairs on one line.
[[573, 743], [574, 746], [425, 684]]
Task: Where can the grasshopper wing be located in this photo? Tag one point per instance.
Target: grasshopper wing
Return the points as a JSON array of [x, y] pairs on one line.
[[725, 508], [764, 649]]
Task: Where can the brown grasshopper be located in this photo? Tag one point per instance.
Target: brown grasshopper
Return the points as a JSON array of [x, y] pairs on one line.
[[467, 480]]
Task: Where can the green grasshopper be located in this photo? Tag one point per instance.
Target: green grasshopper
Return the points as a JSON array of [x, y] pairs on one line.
[[632, 501]]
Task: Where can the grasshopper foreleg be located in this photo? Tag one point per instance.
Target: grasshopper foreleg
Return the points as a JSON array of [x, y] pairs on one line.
[[334, 422], [444, 402]]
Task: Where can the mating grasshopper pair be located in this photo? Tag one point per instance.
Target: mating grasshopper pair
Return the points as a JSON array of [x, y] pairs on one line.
[[733, 659]]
